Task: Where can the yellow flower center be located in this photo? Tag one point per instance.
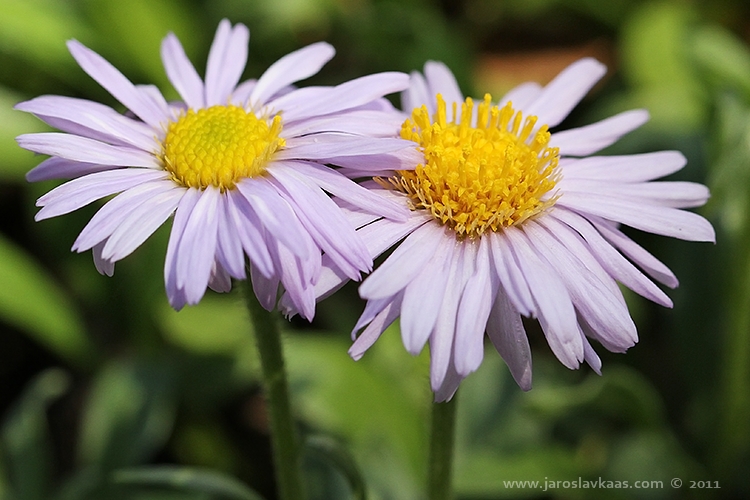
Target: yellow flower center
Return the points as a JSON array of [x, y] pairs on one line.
[[489, 176], [219, 145]]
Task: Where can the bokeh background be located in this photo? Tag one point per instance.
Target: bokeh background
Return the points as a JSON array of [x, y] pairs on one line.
[[102, 384]]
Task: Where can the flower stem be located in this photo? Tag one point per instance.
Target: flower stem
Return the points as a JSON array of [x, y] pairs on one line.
[[283, 433], [442, 437]]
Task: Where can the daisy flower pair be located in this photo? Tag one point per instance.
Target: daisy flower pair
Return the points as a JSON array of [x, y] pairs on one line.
[[495, 218]]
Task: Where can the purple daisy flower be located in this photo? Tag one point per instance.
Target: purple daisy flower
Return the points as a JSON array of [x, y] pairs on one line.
[[509, 220], [241, 167]]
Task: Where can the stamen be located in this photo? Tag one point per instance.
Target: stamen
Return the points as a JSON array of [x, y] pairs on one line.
[[485, 176]]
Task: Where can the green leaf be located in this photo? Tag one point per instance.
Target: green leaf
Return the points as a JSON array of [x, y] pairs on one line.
[[334, 452], [724, 56], [129, 415], [656, 60], [25, 436], [186, 478], [378, 404], [32, 301], [36, 30]]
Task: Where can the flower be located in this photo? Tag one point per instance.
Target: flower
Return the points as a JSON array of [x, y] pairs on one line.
[[241, 167], [510, 220]]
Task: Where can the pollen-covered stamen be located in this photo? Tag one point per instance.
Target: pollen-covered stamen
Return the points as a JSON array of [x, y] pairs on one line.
[[480, 177], [219, 145]]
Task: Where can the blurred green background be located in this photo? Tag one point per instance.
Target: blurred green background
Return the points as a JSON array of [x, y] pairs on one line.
[[106, 393]]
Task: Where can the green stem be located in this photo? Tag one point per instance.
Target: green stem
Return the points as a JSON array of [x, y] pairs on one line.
[[442, 437], [283, 432]]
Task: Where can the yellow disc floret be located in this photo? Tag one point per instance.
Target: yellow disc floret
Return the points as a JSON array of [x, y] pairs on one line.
[[219, 145], [487, 176]]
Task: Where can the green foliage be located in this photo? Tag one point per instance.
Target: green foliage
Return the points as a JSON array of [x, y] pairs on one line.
[[31, 300], [124, 398]]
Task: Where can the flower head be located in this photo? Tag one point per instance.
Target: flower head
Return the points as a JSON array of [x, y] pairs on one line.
[[510, 220], [241, 166]]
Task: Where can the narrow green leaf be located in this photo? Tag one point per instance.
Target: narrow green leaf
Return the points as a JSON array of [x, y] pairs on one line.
[[186, 478], [724, 56], [25, 436], [129, 415], [33, 302]]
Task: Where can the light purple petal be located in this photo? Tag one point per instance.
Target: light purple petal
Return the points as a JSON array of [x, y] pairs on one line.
[[440, 80], [372, 309], [351, 94], [266, 289], [590, 356], [417, 95], [250, 230], [593, 292], [116, 84], [378, 236], [404, 264], [505, 329], [76, 148], [343, 188], [423, 297], [443, 337], [366, 122], [563, 93], [275, 214], [104, 267], [153, 94], [553, 303], [521, 96], [323, 146], [229, 250], [627, 168], [474, 310], [325, 222], [449, 386], [182, 73], [675, 194], [60, 168], [116, 211], [226, 62], [618, 266], [175, 294], [589, 139], [653, 219], [242, 92], [141, 223], [220, 280], [84, 190], [377, 165], [197, 248], [650, 264], [376, 328], [291, 68], [510, 274], [92, 120], [294, 278]]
